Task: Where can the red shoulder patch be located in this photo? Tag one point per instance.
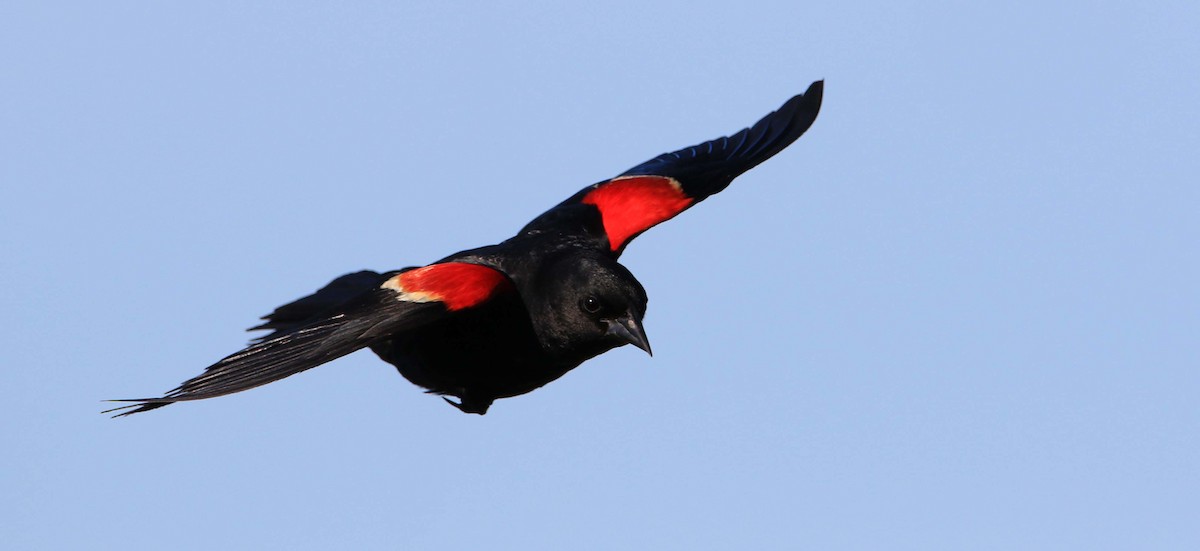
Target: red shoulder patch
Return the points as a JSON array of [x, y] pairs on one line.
[[457, 284], [630, 205]]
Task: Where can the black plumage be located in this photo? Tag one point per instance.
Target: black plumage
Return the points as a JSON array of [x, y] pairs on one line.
[[503, 320]]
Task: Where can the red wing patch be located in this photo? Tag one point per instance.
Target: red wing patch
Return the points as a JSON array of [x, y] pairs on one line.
[[630, 205], [457, 284]]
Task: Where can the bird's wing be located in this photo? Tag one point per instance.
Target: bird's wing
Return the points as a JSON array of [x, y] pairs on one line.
[[322, 304], [348, 314], [616, 211]]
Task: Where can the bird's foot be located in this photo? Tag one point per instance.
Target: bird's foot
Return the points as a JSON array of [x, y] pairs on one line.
[[465, 405]]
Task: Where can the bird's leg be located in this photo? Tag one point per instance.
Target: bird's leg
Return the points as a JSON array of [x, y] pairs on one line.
[[469, 403]]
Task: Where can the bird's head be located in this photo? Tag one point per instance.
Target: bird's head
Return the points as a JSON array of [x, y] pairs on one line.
[[584, 305]]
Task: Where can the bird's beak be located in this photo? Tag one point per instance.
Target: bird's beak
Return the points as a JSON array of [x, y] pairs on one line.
[[629, 329]]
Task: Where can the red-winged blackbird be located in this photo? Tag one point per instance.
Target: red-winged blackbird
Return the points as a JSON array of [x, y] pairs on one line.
[[503, 320]]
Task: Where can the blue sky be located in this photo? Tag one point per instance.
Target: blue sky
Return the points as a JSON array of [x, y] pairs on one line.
[[960, 313]]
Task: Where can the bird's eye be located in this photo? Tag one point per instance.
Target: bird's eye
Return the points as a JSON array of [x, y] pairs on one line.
[[590, 305]]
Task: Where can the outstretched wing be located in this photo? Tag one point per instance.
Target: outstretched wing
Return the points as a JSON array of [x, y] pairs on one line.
[[322, 304], [348, 314], [618, 210]]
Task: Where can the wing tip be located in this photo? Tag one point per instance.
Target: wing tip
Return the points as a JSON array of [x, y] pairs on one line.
[[817, 87], [806, 105], [140, 405]]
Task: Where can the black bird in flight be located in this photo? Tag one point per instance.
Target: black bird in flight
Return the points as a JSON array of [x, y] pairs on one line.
[[503, 320]]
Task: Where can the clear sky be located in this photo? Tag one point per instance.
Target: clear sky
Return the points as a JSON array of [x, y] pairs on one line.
[[960, 313]]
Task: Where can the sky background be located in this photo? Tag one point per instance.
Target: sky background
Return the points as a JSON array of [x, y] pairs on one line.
[[960, 313]]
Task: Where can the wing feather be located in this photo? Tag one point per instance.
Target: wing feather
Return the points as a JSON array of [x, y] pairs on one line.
[[347, 315], [613, 212]]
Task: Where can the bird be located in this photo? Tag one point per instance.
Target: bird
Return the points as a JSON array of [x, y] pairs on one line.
[[503, 320]]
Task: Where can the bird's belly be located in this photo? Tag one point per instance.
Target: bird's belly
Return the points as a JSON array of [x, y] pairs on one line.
[[477, 355]]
